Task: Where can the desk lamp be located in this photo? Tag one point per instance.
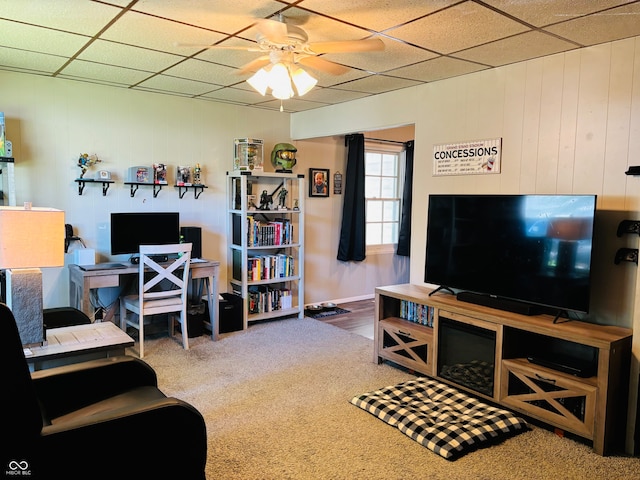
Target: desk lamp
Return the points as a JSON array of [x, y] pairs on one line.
[[30, 238]]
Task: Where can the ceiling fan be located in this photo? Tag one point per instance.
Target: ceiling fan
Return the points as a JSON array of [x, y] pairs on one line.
[[286, 47]]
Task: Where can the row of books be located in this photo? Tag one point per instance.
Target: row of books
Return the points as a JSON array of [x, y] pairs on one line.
[[416, 312], [268, 267], [264, 299], [276, 232]]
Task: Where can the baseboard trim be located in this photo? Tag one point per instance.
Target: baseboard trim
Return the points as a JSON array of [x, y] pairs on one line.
[[352, 299]]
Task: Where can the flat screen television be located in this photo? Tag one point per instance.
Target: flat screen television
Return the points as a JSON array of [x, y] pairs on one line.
[[130, 230], [534, 249]]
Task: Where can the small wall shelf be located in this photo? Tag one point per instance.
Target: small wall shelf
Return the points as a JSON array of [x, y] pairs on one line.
[[83, 181], [197, 190], [134, 187]]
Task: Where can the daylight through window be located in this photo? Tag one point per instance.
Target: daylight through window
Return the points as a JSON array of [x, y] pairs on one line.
[[383, 166]]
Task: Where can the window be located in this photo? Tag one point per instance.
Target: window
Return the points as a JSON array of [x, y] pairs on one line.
[[383, 191]]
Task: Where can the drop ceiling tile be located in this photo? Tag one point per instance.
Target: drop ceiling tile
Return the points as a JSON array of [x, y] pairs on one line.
[[394, 55], [436, 69], [80, 69], [226, 16], [159, 34], [236, 95], [547, 12], [613, 25], [516, 49], [457, 28], [177, 85], [32, 62], [128, 56], [376, 15], [78, 16], [378, 84], [205, 72], [333, 95], [39, 39]]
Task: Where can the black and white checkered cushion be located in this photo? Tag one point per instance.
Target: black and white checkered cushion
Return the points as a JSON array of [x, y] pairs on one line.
[[446, 421]]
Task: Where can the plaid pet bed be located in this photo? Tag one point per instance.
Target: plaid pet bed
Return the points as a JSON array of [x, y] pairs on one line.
[[439, 417]]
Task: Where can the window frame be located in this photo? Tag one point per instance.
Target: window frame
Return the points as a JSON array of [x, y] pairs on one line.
[[372, 146]]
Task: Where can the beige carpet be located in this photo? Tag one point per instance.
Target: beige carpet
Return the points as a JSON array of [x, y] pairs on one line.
[[276, 402]]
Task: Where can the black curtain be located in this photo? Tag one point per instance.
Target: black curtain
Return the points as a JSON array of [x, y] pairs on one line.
[[404, 236], [352, 233]]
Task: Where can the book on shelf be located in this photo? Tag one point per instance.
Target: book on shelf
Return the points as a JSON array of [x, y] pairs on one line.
[[417, 313], [263, 299], [269, 267]]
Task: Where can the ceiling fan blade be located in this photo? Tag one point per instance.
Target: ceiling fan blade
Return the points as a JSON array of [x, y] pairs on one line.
[[254, 65], [368, 45], [273, 30], [323, 65]]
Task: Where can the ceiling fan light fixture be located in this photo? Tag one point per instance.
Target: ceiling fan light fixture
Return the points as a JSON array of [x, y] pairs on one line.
[[260, 81], [280, 82], [302, 80]]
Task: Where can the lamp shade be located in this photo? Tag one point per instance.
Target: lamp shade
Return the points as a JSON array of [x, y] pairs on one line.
[[31, 238], [302, 80]]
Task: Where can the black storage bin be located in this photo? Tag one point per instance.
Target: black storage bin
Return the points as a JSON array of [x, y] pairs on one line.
[[230, 313], [195, 319]]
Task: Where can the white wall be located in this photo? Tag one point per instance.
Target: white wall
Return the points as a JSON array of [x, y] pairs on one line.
[[570, 123], [51, 122]]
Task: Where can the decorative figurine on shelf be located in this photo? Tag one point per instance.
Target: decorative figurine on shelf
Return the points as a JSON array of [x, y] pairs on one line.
[[265, 201], [196, 175], [282, 199], [183, 175], [160, 173], [283, 157], [85, 161]]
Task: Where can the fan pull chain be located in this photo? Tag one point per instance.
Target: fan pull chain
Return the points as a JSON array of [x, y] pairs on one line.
[[281, 108]]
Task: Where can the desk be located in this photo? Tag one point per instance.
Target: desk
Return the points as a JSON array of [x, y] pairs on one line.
[[81, 282], [78, 343]]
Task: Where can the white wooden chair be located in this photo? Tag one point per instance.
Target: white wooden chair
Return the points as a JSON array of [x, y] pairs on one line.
[[162, 288]]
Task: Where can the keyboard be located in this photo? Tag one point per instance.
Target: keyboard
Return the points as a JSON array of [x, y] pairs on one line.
[[102, 266]]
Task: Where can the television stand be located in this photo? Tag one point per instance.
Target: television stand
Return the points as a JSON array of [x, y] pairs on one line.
[[499, 303], [573, 376]]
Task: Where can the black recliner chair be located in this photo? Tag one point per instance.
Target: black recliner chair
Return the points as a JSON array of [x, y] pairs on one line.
[[99, 419]]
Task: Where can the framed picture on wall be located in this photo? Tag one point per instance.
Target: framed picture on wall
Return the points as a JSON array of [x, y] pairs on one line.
[[318, 182]]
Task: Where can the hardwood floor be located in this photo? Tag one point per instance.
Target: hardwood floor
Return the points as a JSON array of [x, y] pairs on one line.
[[359, 319]]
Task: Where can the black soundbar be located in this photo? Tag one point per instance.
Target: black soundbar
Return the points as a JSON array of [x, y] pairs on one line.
[[499, 303]]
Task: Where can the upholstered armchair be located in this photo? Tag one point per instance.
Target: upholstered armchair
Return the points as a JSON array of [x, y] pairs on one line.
[[99, 419]]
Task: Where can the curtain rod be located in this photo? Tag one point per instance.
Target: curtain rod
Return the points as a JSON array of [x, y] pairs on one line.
[[382, 140]]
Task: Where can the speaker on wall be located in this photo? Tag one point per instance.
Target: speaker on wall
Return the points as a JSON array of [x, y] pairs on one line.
[[193, 235]]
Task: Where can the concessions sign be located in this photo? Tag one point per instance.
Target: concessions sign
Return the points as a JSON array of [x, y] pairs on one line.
[[467, 158]]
